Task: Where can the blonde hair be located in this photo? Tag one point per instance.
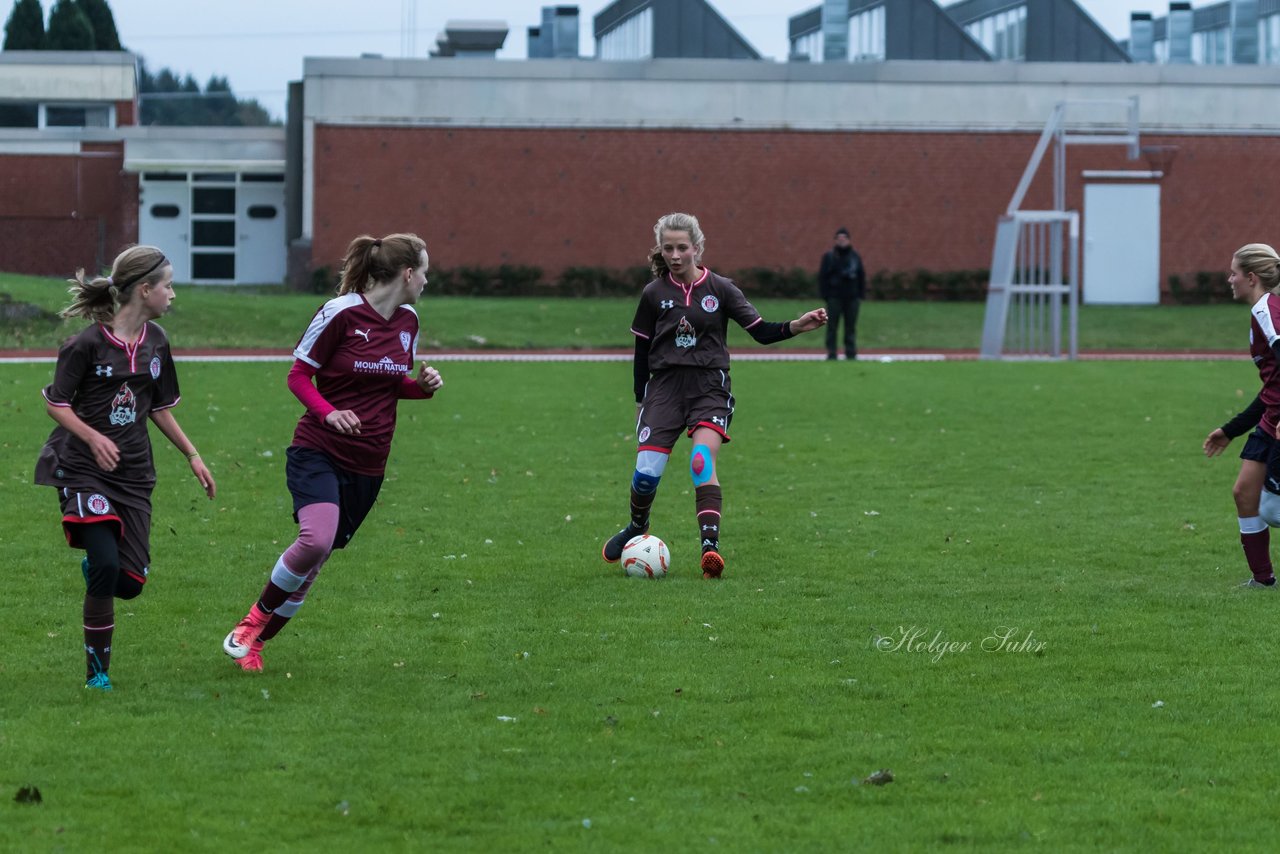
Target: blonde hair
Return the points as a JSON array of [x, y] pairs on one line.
[[1261, 260], [99, 298], [369, 260], [674, 222]]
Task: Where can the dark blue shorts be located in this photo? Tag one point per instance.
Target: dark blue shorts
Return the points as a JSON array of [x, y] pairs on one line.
[[314, 478], [1258, 446]]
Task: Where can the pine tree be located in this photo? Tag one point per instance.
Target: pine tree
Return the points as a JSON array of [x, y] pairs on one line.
[[105, 36], [25, 28], [69, 28]]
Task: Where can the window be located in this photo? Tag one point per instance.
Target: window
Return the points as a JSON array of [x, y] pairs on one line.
[[164, 211], [1211, 47], [213, 200], [261, 178], [214, 232], [866, 35], [809, 45], [19, 116], [1269, 40], [77, 117], [262, 211], [209, 265], [1003, 35], [164, 176], [632, 38]]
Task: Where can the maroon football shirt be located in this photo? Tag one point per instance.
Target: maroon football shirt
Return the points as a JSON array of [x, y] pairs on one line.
[[1264, 328], [361, 360]]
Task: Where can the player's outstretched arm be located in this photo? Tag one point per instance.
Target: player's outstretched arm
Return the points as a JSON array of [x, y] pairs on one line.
[[809, 321], [163, 419]]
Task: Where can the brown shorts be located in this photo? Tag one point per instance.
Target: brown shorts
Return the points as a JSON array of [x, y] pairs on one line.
[[680, 400], [133, 526]]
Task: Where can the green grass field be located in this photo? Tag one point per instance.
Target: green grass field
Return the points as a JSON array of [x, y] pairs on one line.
[[204, 317], [469, 675]]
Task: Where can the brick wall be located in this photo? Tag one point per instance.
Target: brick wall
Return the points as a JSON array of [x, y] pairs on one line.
[[556, 198], [62, 212]]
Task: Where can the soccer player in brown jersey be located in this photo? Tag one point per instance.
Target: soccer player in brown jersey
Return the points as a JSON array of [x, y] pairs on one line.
[[1255, 273], [110, 378], [681, 374], [353, 364]]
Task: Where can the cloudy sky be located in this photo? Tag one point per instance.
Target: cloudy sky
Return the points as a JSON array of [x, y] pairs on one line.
[[259, 44]]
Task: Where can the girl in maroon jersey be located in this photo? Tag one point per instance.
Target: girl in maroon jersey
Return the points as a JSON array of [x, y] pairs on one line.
[[1255, 273], [354, 363], [681, 376], [110, 378]]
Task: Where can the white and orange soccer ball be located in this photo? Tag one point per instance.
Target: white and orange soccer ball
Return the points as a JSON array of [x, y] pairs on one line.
[[645, 556]]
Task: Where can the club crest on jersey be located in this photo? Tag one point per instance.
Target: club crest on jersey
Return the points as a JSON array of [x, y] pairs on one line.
[[710, 303], [685, 336], [155, 367], [405, 341], [98, 505], [644, 433], [105, 370], [124, 407]]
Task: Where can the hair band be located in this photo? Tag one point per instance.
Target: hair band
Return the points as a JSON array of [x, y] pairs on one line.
[[156, 266]]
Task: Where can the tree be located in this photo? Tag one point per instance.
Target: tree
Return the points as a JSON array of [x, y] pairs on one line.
[[69, 28], [25, 28], [168, 99], [105, 36]]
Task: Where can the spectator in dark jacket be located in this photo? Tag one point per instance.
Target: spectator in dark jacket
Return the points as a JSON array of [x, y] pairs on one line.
[[842, 281]]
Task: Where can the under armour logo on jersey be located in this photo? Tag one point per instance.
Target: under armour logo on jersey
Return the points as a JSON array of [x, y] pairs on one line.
[[102, 370], [716, 419], [363, 333], [667, 303]]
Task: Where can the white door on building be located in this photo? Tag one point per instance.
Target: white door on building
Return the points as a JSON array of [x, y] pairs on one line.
[[260, 223], [1122, 244], [164, 218]]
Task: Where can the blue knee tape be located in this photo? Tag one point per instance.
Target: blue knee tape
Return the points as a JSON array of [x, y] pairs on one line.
[[701, 465], [645, 484]]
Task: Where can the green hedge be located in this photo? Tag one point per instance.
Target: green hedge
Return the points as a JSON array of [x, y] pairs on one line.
[[517, 280], [1198, 289], [514, 280]]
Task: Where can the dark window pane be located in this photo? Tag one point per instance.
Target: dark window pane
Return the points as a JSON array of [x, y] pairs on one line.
[[262, 211], [215, 177], [254, 178], [214, 233], [206, 265], [213, 200], [19, 116], [164, 211], [64, 117], [164, 176]]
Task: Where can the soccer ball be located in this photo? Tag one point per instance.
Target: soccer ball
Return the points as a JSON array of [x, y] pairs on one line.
[[645, 556]]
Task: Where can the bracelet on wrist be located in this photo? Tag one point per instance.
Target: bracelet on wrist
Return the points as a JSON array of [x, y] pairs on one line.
[[193, 455]]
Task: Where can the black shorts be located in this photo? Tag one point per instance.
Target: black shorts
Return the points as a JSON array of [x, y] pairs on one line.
[[314, 478], [680, 400], [1258, 446], [132, 525]]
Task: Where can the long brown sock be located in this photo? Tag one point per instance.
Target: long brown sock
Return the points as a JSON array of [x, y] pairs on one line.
[[1257, 553], [99, 623], [708, 500]]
